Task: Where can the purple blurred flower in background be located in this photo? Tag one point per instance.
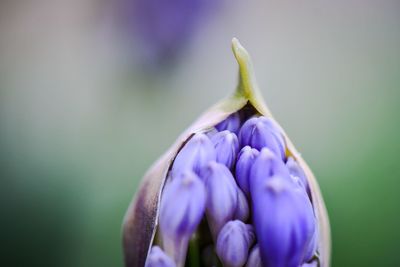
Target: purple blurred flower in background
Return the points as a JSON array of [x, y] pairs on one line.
[[162, 29]]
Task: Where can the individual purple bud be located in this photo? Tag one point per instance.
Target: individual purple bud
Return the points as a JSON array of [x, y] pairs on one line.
[[298, 174], [310, 264], [226, 147], [312, 245], [284, 220], [254, 259], [222, 196], [232, 123], [234, 242], [246, 158], [258, 132], [267, 165], [182, 208], [194, 155], [157, 258], [242, 208]]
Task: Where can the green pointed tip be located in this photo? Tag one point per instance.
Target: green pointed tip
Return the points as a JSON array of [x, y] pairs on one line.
[[247, 86]]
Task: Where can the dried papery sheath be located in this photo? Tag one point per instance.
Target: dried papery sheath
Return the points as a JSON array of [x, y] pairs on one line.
[[189, 199]]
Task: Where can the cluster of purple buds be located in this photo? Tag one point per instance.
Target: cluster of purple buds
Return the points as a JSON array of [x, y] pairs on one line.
[[236, 189]]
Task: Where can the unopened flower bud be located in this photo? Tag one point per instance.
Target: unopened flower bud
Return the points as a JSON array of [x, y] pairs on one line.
[[226, 147], [242, 208], [298, 174], [222, 195], [258, 132], [245, 160], [157, 258], [254, 259], [182, 208], [266, 165], [311, 264], [233, 243], [195, 154], [232, 123], [284, 221]]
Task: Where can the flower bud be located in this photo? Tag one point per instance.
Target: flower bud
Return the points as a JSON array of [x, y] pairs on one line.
[[226, 147], [232, 123], [297, 174], [222, 195], [266, 165], [157, 258], [182, 208], [233, 243], [283, 219], [254, 259], [242, 208], [195, 154], [259, 132], [311, 264], [245, 160]]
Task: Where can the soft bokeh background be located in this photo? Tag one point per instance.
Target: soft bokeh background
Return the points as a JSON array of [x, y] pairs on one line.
[[89, 98]]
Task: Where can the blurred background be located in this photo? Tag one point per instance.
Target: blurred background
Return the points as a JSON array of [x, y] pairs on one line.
[[93, 91]]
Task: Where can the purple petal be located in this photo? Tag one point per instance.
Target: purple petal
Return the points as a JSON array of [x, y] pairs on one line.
[[254, 259], [222, 195], [226, 147], [234, 242], [242, 209], [260, 132], [195, 154], [182, 208], [284, 221], [298, 174], [266, 165], [245, 160], [157, 258], [232, 123]]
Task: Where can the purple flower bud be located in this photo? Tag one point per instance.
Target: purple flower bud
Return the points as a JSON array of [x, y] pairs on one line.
[[254, 259], [245, 160], [242, 208], [157, 258], [267, 165], [195, 154], [222, 196], [284, 220], [260, 132], [232, 123], [226, 147], [297, 174], [234, 242], [182, 208], [311, 264]]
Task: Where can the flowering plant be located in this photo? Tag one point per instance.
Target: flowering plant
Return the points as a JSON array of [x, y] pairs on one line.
[[232, 191]]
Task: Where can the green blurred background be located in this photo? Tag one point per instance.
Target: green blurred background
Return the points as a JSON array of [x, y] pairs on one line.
[[81, 118]]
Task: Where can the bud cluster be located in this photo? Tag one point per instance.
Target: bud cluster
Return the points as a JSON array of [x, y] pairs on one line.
[[236, 189]]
